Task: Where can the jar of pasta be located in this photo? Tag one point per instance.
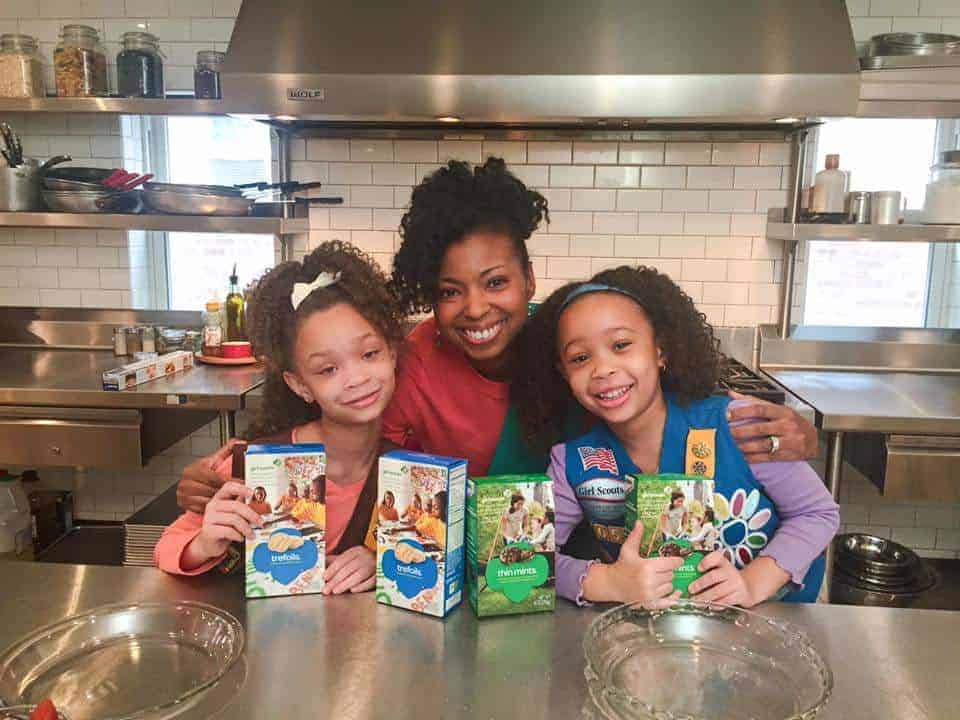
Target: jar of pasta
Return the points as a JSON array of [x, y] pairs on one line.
[[80, 65], [21, 70]]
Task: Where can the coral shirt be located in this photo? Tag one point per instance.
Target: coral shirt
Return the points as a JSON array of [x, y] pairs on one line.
[[442, 404]]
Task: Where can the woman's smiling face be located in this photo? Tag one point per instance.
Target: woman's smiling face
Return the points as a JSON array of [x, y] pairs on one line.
[[482, 298]]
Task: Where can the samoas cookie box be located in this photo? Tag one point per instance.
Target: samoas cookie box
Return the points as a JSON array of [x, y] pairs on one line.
[[286, 556], [678, 520], [420, 531], [510, 544]]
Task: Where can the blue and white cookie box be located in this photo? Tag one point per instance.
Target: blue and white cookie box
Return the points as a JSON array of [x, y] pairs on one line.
[[420, 534]]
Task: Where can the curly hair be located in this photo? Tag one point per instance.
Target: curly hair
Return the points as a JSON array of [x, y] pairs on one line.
[[690, 348], [274, 323], [449, 204]]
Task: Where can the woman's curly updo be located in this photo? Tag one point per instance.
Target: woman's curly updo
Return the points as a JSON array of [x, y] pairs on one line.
[[689, 346], [449, 204], [274, 323]]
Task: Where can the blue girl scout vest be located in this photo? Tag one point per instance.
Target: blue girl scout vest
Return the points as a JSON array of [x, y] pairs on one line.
[[696, 440]]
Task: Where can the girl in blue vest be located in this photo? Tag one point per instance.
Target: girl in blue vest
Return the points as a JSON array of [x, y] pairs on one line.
[[633, 350]]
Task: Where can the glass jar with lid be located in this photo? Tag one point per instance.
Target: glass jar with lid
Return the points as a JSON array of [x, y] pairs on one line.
[[80, 65], [206, 76], [21, 69], [140, 66]]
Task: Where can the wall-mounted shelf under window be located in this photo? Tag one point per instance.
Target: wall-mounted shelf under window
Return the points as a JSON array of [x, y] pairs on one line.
[[167, 223]]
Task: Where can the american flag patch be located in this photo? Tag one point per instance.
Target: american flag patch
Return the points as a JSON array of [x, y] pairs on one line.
[[599, 458]]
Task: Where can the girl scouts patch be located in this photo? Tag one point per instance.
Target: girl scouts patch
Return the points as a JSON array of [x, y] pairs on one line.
[[598, 459], [603, 497]]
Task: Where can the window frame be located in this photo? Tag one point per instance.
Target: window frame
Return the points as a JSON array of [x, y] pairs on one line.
[[939, 255]]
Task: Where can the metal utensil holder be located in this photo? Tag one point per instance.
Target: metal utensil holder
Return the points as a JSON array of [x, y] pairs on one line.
[[20, 188]]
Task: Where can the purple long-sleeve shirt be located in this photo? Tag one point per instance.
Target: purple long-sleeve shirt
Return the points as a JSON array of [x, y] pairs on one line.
[[809, 518]]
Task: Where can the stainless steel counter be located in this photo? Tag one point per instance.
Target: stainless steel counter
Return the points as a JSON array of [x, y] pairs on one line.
[[890, 402], [72, 378], [348, 657]]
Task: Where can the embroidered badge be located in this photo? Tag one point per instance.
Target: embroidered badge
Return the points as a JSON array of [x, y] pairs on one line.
[[701, 450], [599, 459], [699, 468]]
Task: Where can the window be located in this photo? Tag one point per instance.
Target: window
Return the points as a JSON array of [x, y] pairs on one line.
[[212, 151], [874, 284]]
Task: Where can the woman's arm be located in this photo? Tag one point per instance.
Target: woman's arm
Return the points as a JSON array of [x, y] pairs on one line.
[[809, 517]]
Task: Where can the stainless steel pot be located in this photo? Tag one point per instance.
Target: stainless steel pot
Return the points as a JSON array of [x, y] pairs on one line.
[[182, 203]]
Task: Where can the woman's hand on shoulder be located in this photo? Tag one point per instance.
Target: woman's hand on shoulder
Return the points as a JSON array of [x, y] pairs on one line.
[[633, 578], [798, 438], [200, 481], [354, 570]]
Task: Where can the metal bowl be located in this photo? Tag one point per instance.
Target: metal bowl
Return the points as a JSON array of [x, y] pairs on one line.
[[847, 590], [125, 661], [75, 201], [194, 189], [93, 175], [694, 661], [71, 185], [920, 43], [876, 553], [179, 203]]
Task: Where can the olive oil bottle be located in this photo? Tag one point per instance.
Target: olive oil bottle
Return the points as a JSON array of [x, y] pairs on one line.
[[236, 310]]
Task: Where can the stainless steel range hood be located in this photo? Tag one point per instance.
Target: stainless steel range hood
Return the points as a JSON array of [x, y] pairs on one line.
[[618, 63]]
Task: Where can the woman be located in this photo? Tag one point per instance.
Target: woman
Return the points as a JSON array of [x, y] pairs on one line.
[[464, 257]]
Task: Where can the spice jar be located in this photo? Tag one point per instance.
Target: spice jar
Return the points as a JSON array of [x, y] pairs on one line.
[[80, 65], [21, 69], [140, 66], [206, 76]]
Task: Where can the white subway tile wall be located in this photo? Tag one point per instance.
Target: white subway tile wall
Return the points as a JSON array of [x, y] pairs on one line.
[[614, 202]]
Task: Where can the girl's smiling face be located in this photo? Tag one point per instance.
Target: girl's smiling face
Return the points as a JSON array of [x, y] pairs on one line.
[[482, 298], [344, 365], [609, 355]]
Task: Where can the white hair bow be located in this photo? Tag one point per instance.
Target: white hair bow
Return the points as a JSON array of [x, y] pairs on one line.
[[301, 291]]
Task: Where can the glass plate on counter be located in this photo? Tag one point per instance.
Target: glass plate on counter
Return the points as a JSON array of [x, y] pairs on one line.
[[696, 662], [124, 661]]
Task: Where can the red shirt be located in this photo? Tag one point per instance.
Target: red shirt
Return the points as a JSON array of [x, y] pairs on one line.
[[442, 404]]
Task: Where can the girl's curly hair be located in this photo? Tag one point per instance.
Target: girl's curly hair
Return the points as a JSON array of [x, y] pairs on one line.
[[449, 204], [274, 323], [690, 348]]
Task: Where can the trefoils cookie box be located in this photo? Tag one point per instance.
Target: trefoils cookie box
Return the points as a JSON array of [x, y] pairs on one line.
[[287, 554], [511, 544], [678, 520], [420, 530]]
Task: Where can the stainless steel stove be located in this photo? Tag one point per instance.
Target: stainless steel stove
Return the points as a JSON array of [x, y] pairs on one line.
[[736, 376]]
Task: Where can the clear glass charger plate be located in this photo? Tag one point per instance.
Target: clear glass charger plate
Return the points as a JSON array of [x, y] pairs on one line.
[[697, 662], [123, 661]]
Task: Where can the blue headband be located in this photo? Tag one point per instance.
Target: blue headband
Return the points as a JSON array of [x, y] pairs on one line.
[[592, 287]]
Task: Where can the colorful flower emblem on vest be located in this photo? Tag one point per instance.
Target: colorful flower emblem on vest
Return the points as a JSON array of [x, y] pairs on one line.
[[741, 529]]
